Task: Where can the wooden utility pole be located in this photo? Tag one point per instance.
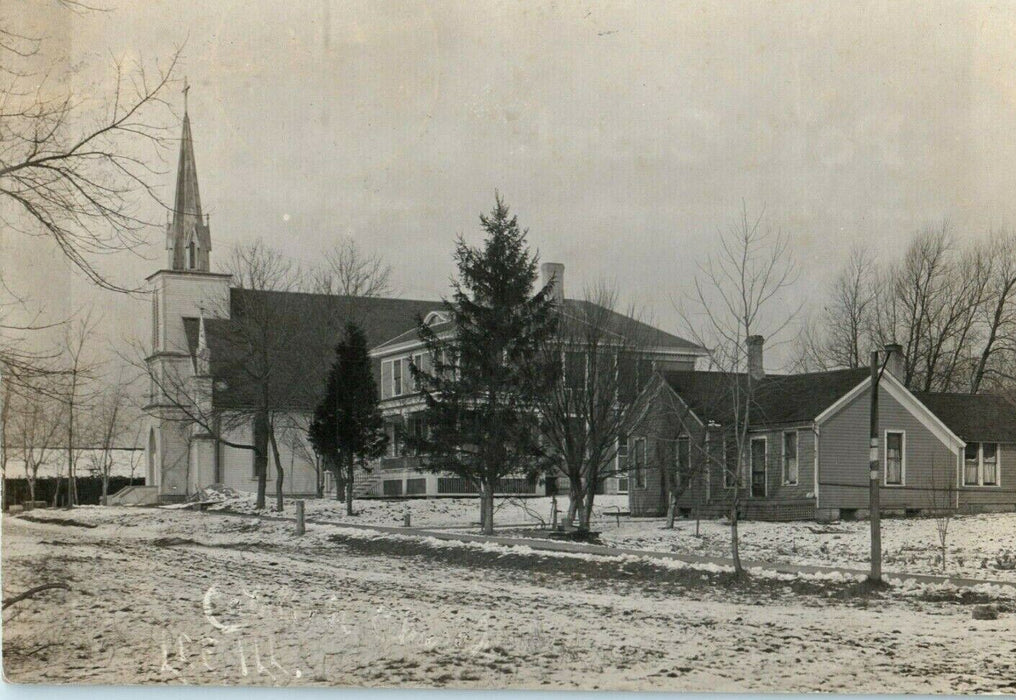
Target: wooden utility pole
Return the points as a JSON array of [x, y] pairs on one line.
[[874, 516]]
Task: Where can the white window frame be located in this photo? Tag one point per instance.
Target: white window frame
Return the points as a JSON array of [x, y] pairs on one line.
[[797, 456], [401, 380], [980, 465], [417, 360], [885, 457]]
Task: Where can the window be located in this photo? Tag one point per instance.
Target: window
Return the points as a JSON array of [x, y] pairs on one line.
[[989, 463], [682, 459], [622, 453], [397, 377], [972, 464], [980, 464], [640, 463], [410, 379], [791, 471], [575, 370], [190, 255], [622, 484], [759, 475], [894, 458]]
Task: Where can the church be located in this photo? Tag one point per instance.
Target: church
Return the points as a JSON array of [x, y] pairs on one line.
[[202, 392]]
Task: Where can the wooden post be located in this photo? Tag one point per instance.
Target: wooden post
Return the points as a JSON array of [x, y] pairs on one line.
[[406, 518], [874, 516], [300, 526], [553, 512]]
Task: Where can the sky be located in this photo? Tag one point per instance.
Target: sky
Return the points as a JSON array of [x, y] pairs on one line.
[[625, 136]]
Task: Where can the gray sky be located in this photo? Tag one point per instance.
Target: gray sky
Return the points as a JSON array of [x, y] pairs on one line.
[[623, 135]]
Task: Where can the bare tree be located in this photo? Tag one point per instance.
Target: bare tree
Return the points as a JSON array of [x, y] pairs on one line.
[[73, 172], [76, 389], [36, 426], [111, 422], [349, 271], [942, 501], [603, 361], [998, 313], [261, 326], [950, 307], [737, 297], [845, 322]]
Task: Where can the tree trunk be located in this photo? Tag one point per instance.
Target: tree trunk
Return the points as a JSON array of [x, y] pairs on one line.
[[320, 480], [574, 502], [671, 509], [261, 456], [586, 513], [735, 553], [350, 466], [279, 473], [487, 508]]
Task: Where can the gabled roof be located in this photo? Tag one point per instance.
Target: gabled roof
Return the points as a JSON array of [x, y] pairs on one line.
[[306, 328], [778, 399], [974, 417], [575, 310]]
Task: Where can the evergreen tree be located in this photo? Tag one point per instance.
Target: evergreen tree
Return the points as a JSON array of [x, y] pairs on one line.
[[347, 429], [486, 368]]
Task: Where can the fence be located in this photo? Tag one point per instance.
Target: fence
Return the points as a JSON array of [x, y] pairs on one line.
[[89, 489]]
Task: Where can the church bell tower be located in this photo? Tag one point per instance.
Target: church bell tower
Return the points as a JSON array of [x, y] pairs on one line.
[[188, 239], [180, 455]]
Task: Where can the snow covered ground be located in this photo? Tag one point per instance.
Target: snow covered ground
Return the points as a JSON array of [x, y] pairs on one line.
[[173, 596], [430, 512], [909, 545]]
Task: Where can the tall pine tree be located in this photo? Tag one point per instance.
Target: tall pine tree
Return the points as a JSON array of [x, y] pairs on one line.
[[488, 370], [347, 429]]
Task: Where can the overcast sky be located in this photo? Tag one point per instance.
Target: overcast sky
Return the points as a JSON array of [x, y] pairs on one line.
[[623, 135]]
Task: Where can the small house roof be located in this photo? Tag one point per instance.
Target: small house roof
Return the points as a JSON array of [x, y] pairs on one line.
[[974, 417], [778, 399]]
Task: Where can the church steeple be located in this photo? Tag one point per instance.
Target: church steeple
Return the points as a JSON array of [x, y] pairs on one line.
[[188, 238]]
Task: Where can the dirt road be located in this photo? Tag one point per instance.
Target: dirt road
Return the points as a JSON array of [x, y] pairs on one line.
[[168, 597]]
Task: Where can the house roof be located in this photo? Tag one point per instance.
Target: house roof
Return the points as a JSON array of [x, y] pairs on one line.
[[796, 398], [778, 399], [974, 417], [305, 330], [575, 313]]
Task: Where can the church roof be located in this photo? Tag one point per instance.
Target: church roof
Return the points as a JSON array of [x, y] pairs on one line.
[[305, 330]]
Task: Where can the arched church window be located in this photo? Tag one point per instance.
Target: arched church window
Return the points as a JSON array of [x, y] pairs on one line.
[[190, 255]]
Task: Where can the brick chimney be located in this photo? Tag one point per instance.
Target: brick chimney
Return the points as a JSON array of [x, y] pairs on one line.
[[894, 360], [554, 271], [755, 366]]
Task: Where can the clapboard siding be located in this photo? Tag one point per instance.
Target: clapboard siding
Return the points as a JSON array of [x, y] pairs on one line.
[[930, 465]]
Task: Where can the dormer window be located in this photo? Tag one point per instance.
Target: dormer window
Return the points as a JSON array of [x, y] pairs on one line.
[[435, 317]]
